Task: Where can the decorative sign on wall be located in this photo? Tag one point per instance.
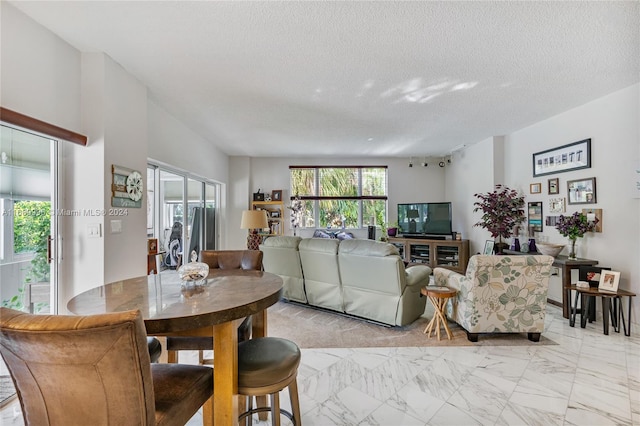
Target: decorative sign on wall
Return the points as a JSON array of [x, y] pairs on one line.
[[592, 215], [126, 187]]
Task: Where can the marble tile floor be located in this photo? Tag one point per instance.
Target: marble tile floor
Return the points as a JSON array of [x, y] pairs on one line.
[[586, 378]]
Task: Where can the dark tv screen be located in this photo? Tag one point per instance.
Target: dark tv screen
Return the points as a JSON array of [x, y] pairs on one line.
[[424, 219]]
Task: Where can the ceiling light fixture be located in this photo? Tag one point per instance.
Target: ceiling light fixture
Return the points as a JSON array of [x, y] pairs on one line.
[[410, 161]]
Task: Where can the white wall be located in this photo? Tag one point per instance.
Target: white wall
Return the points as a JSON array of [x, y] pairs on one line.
[[472, 171], [174, 144], [406, 184], [171, 142], [613, 124], [41, 78], [45, 78], [614, 128], [40, 72]]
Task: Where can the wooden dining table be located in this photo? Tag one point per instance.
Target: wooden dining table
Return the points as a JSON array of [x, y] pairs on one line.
[[215, 308]]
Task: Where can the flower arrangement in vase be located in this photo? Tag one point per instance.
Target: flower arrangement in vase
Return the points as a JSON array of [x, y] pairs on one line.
[[502, 210], [574, 227], [296, 207]]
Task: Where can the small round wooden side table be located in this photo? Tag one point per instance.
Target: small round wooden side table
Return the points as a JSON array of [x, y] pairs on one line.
[[439, 296]]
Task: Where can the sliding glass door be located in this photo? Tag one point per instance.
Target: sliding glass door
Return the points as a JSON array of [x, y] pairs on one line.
[[184, 209], [29, 252]]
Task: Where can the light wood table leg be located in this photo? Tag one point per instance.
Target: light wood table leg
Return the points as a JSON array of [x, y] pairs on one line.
[[439, 319], [225, 375]]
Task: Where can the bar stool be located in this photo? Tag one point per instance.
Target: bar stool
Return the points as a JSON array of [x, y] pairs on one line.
[[267, 365]]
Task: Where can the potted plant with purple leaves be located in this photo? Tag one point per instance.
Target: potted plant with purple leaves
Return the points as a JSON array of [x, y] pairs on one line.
[[574, 227], [502, 209]]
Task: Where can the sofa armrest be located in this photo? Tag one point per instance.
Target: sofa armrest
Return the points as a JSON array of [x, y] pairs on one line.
[[418, 275]]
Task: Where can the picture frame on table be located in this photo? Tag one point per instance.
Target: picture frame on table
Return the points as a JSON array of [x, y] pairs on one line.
[[582, 191], [152, 245], [535, 188], [591, 274], [488, 247], [573, 156], [609, 281], [553, 186], [276, 195]]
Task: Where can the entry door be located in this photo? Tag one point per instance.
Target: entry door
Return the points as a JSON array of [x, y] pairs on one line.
[[29, 255]]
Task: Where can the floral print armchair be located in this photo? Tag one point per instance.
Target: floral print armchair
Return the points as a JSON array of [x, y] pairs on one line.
[[499, 294]]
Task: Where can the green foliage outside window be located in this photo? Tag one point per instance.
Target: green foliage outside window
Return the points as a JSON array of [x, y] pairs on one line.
[[338, 195], [31, 228]]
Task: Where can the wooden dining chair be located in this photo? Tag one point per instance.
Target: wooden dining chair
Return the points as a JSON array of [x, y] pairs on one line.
[[95, 370], [216, 259]]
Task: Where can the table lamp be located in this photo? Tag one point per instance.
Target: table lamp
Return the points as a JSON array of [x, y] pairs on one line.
[[253, 220], [412, 214]]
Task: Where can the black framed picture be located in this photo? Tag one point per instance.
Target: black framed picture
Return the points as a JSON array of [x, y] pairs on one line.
[[582, 191], [591, 274], [573, 156], [535, 216]]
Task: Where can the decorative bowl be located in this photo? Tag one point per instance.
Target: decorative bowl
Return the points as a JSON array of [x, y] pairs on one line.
[[194, 272], [550, 249]]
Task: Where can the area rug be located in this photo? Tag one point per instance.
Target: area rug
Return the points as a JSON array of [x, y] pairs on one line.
[[310, 327]]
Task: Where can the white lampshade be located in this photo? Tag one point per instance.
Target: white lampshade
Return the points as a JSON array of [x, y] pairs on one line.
[[254, 219]]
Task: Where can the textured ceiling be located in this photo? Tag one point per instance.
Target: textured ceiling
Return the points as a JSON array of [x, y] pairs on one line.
[[359, 78]]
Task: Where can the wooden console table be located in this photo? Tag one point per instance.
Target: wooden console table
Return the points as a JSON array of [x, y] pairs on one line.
[[566, 265]]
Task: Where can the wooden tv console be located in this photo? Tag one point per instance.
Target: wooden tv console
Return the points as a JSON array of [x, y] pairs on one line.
[[450, 254]]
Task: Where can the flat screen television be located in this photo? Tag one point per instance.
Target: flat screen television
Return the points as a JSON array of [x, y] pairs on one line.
[[424, 219]]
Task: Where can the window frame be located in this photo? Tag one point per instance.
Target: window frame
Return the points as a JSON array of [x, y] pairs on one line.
[[359, 198]]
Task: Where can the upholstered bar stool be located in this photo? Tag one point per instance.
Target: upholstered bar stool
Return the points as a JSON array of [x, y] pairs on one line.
[[266, 366], [216, 259], [96, 370]]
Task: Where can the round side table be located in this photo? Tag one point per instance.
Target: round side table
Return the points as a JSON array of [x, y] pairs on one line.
[[438, 296]]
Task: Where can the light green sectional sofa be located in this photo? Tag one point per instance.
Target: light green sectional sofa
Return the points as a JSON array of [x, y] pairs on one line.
[[363, 278]]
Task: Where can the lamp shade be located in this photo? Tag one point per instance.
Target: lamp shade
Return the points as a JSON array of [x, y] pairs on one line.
[[254, 219], [412, 214]]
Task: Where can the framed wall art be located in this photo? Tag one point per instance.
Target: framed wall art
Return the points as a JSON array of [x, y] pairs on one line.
[[535, 216], [126, 187], [556, 205], [568, 157], [594, 215], [535, 188], [582, 191], [553, 186]]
